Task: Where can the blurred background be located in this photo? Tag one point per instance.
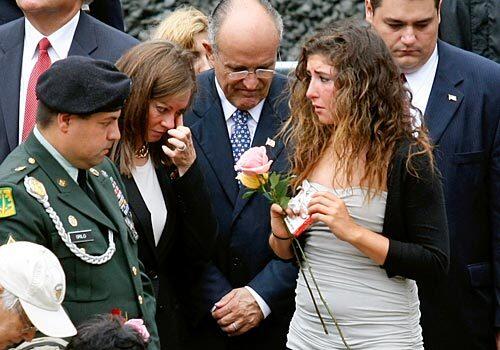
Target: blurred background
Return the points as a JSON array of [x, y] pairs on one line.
[[300, 17]]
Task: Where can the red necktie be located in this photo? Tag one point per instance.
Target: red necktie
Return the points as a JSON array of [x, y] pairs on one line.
[[41, 66]]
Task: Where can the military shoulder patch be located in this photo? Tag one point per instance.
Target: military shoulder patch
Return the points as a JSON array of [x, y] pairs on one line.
[[7, 206]]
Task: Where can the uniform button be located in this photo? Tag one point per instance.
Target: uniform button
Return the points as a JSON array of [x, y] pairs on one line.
[[140, 299], [134, 270], [236, 262], [31, 160]]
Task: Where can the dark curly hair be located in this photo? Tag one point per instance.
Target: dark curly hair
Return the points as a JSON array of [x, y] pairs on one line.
[[106, 332]]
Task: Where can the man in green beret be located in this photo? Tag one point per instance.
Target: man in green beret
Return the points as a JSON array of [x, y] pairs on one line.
[[59, 189]]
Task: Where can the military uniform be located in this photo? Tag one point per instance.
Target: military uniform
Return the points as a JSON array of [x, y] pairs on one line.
[[92, 287]]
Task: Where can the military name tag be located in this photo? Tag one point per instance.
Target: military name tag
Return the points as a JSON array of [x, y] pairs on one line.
[[81, 236]]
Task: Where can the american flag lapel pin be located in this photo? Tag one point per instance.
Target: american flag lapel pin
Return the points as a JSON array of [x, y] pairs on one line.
[[452, 98], [270, 142]]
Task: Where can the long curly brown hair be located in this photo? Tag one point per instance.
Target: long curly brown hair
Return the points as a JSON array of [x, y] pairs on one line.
[[371, 117]]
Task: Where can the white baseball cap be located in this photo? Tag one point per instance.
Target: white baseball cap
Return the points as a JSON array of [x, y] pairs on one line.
[[33, 274]]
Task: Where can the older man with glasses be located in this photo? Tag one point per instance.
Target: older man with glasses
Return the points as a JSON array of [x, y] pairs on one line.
[[32, 288], [245, 293]]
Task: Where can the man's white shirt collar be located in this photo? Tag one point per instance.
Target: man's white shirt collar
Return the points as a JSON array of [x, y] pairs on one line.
[[420, 82], [60, 40]]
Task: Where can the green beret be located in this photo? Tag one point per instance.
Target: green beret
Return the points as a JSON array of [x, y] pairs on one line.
[[82, 85]]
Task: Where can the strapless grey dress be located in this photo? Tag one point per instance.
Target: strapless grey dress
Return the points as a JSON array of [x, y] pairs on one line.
[[373, 310]]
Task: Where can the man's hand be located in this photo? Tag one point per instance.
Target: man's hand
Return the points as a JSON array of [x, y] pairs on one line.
[[237, 312], [498, 339]]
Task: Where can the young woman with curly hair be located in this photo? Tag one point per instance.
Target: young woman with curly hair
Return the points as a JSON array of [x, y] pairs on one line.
[[378, 214]]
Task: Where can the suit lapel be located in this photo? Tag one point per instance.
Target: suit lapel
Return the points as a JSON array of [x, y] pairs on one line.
[[70, 193], [84, 41], [211, 134], [168, 232], [10, 77], [141, 212], [445, 96]]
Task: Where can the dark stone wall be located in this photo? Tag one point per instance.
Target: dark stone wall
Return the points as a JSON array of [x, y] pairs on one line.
[[300, 17]]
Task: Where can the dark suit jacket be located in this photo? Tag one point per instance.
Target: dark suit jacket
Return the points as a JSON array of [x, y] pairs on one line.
[[92, 38], [242, 256], [106, 11], [463, 116], [188, 237]]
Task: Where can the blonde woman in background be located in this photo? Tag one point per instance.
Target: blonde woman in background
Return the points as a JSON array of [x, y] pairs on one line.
[[188, 27]]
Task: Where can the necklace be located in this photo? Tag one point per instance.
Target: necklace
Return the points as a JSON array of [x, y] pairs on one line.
[[143, 151]]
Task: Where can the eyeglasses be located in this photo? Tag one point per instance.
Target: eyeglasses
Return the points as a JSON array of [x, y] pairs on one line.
[[259, 73], [25, 320]]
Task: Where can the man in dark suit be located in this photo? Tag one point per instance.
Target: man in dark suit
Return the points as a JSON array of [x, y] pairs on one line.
[[458, 93], [106, 11], [246, 292], [69, 32]]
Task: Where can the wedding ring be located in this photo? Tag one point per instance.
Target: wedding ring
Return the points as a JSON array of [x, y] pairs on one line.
[[182, 149], [234, 326]]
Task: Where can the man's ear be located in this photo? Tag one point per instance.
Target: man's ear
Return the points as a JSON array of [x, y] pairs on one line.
[[63, 121], [210, 51], [368, 11]]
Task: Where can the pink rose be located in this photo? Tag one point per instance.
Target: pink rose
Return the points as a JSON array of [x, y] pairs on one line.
[[254, 161], [137, 325]]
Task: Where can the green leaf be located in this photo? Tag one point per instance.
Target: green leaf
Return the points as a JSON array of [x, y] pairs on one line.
[[268, 196], [281, 188], [274, 178], [284, 202], [248, 194]]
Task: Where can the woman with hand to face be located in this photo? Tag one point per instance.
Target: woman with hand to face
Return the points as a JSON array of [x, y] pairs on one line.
[[165, 187], [378, 212]]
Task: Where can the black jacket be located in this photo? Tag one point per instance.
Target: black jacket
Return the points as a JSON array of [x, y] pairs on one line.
[[415, 220], [188, 237], [472, 25]]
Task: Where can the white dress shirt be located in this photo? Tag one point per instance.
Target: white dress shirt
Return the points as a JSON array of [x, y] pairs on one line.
[[147, 181], [60, 42], [420, 83], [228, 109]]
